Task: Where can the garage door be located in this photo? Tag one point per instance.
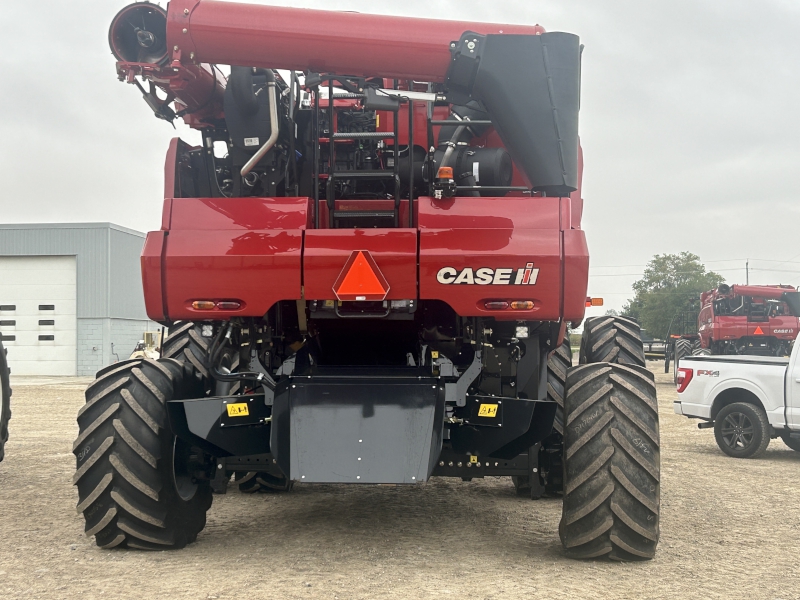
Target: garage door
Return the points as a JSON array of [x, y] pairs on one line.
[[38, 314]]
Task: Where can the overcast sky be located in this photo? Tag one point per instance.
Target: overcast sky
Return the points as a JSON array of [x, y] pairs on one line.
[[689, 123]]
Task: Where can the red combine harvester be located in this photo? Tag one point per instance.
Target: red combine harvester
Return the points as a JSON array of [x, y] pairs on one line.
[[749, 319], [367, 266]]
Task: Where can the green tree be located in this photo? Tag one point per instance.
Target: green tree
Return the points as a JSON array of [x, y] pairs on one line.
[[671, 283]]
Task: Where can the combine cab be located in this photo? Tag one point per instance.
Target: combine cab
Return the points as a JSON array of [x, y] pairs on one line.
[[367, 264]]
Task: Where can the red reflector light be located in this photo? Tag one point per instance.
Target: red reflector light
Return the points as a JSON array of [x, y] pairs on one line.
[[203, 305], [522, 305], [496, 305], [684, 377], [229, 305]]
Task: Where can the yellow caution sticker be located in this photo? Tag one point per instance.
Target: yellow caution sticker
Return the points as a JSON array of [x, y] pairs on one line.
[[473, 459], [238, 410], [487, 410], [434, 354]]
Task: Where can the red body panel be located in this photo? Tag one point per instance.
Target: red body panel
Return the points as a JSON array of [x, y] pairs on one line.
[[327, 250], [256, 250], [245, 249], [233, 33]]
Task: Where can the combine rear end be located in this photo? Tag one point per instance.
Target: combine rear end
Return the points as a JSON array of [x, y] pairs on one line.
[[366, 284], [749, 319]]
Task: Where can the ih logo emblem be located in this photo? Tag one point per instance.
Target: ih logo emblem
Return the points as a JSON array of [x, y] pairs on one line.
[[361, 279], [486, 276]]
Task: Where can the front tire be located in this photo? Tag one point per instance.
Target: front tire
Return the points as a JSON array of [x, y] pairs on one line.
[[611, 463], [742, 430], [137, 484]]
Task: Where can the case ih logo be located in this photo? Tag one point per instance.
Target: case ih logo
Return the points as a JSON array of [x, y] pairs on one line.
[[485, 276], [783, 331], [700, 373]]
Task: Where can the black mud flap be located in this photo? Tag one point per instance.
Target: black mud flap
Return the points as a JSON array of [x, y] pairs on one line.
[[356, 429], [223, 425]]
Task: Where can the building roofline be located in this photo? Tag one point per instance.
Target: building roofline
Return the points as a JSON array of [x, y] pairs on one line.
[[24, 226]]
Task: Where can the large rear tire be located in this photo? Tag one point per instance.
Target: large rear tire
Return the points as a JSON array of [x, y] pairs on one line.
[[137, 483], [5, 400], [611, 463], [613, 340]]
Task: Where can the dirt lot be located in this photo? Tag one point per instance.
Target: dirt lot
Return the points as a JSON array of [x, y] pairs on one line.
[[729, 528]]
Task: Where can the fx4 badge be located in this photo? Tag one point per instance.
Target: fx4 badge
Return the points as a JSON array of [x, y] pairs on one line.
[[708, 373], [485, 276]]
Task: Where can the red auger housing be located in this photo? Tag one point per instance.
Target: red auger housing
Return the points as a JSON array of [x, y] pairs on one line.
[[749, 319]]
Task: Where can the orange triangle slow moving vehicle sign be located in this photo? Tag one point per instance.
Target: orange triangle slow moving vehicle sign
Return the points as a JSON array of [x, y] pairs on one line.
[[361, 279], [758, 331]]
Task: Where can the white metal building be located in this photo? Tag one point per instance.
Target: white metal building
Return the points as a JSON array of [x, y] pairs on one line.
[[71, 297]]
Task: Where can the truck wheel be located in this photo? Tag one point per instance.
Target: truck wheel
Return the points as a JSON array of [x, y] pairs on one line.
[[137, 483], [793, 443], [742, 430], [613, 340], [611, 463], [5, 400], [185, 343], [682, 348]]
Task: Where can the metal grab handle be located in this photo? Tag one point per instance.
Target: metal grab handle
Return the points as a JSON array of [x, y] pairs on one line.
[[273, 133]]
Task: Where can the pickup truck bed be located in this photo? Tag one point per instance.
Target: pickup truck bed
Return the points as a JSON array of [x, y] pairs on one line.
[[747, 399]]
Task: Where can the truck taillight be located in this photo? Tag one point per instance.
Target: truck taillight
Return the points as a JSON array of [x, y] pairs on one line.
[[684, 377]]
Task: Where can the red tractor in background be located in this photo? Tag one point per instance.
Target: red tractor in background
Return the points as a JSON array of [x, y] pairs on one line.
[[737, 319], [749, 319], [367, 267]]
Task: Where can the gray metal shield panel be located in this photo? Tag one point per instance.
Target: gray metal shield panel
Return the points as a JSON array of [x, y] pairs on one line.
[[364, 432]]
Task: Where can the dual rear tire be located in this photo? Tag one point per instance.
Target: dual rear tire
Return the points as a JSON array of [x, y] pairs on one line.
[[611, 504]]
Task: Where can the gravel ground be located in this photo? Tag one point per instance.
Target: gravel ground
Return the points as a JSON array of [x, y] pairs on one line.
[[729, 528]]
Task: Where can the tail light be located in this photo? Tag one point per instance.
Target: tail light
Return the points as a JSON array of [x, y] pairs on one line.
[[684, 377]]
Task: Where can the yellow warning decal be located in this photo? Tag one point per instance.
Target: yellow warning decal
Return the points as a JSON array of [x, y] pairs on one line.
[[473, 459], [434, 354], [487, 410], [238, 410]]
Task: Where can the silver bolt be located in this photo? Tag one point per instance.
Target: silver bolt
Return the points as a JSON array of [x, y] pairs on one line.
[[359, 441], [175, 48], [535, 470], [185, 30], [460, 464], [450, 464], [191, 55], [303, 477], [469, 465], [359, 458], [358, 476], [186, 11], [219, 466], [413, 478], [471, 45], [294, 386], [441, 463], [496, 464], [477, 464], [274, 461]]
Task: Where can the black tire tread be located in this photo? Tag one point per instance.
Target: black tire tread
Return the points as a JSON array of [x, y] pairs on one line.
[[613, 340], [611, 463], [5, 398], [123, 452]]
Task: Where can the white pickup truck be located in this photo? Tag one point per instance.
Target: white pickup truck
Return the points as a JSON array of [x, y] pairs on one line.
[[746, 399]]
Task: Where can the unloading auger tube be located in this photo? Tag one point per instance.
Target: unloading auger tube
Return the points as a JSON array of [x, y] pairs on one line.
[[364, 266]]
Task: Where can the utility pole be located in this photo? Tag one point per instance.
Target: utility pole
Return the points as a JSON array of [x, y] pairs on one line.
[[747, 272]]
